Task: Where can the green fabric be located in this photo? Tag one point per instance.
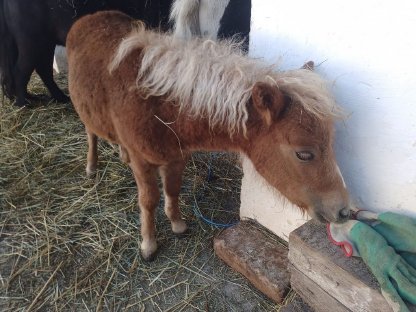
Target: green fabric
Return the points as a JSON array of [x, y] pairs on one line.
[[409, 257], [396, 277], [398, 230]]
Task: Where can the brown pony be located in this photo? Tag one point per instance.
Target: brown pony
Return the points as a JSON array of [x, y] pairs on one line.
[[161, 98]]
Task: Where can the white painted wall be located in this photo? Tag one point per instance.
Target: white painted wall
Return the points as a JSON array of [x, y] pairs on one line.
[[261, 202], [368, 53]]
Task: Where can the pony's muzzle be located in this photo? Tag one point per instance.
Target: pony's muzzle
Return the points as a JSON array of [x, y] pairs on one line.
[[341, 216], [344, 214], [334, 209]]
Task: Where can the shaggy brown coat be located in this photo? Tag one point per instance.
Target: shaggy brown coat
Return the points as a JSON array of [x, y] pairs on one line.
[[122, 89]]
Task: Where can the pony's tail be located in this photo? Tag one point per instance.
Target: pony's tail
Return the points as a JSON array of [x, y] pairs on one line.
[[185, 17], [8, 56]]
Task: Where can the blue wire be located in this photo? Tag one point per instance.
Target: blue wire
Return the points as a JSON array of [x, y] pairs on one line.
[[210, 222], [198, 212]]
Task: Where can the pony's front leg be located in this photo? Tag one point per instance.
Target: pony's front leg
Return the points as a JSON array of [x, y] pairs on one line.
[[172, 180], [146, 179], [92, 157]]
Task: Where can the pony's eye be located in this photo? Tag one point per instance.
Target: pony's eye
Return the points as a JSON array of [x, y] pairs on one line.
[[305, 156]]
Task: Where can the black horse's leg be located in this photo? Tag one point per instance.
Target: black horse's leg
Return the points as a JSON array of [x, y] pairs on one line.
[[18, 17], [22, 71], [44, 68]]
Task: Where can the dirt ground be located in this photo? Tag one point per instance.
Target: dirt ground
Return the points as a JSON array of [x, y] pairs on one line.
[[69, 243]]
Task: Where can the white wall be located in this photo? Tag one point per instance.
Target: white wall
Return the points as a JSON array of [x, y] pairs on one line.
[[368, 53], [60, 62], [261, 202]]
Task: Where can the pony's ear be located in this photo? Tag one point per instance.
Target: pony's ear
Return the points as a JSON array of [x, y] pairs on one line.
[[309, 65], [269, 101]]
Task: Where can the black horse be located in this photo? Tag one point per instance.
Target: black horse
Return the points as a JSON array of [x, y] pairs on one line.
[[30, 30]]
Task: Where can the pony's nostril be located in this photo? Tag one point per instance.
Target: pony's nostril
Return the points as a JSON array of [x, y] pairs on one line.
[[344, 213]]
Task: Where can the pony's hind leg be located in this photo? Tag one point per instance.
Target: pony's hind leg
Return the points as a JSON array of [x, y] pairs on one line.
[[146, 180], [172, 180], [92, 156], [124, 156]]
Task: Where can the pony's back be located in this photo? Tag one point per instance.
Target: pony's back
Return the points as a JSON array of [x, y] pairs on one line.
[[91, 44], [104, 24]]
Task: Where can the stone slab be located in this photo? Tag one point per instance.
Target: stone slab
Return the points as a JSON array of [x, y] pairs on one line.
[[257, 256], [347, 280]]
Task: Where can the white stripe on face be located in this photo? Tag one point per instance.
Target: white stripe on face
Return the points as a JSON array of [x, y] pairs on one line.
[[340, 174]]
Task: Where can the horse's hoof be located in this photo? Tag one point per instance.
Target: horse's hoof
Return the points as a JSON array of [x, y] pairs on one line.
[[149, 251], [20, 105], [91, 170], [36, 97], [149, 258], [25, 103], [179, 227], [62, 98]]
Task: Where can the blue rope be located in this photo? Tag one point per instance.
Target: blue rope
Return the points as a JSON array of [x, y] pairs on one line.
[[196, 210], [210, 222]]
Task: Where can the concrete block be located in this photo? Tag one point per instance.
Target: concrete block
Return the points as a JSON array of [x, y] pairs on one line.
[[258, 257], [326, 279]]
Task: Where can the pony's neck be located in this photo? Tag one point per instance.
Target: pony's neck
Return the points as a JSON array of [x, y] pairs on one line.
[[197, 135]]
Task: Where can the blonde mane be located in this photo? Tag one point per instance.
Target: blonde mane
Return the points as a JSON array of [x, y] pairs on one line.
[[214, 79]]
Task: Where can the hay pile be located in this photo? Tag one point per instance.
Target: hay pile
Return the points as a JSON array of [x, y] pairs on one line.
[[69, 243]]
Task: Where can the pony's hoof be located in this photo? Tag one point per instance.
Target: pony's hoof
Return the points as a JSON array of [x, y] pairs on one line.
[[179, 227], [149, 251], [91, 170]]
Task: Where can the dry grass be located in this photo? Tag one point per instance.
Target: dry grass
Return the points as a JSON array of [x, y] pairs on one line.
[[68, 243]]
